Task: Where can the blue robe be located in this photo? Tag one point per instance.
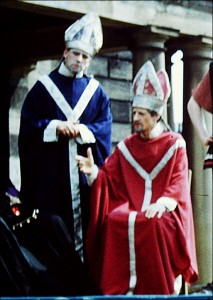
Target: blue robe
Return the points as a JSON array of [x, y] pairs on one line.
[[45, 174]]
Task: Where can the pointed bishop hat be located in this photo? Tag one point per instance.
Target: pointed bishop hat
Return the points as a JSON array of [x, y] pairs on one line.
[[151, 90], [85, 34]]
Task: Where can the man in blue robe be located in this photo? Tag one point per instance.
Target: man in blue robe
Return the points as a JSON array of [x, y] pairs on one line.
[[63, 114]]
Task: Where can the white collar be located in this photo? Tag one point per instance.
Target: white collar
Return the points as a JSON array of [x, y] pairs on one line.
[[156, 131], [63, 70]]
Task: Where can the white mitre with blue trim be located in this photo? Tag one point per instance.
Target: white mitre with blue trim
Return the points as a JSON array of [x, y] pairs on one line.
[[85, 34], [151, 90]]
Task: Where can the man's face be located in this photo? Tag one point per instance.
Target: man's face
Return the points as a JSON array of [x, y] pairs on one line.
[[76, 60], [143, 121]]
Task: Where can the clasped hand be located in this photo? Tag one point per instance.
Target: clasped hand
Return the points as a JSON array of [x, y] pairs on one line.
[[68, 128]]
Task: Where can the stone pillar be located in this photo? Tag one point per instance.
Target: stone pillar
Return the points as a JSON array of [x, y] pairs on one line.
[[148, 47], [196, 57]]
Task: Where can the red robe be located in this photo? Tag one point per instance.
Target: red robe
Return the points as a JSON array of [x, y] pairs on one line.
[[127, 251], [202, 93]]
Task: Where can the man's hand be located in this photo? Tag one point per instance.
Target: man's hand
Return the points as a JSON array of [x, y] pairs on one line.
[[207, 141], [68, 128], [153, 209], [86, 163]]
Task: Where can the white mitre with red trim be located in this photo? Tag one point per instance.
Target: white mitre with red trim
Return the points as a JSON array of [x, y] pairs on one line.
[[151, 90], [85, 34]]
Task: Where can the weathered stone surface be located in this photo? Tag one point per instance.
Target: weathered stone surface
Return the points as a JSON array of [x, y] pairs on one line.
[[99, 66], [187, 17], [120, 131], [121, 111], [117, 89], [120, 69]]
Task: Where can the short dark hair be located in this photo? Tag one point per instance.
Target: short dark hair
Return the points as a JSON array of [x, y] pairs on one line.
[[152, 112]]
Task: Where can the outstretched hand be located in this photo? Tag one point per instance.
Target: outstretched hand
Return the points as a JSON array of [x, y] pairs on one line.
[[86, 163]]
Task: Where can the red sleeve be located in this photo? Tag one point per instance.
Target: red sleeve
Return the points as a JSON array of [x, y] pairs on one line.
[[180, 186], [202, 93], [99, 208]]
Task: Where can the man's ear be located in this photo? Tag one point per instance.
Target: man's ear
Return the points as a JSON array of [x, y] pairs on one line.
[[65, 52]]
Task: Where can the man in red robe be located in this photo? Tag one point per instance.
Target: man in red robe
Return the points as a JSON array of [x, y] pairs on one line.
[[202, 99], [141, 234]]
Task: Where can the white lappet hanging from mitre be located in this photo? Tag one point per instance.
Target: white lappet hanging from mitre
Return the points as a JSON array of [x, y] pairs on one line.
[[85, 34], [151, 90]]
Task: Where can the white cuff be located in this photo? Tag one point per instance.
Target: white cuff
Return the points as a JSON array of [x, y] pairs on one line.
[[168, 202], [86, 135], [94, 174], [50, 134]]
